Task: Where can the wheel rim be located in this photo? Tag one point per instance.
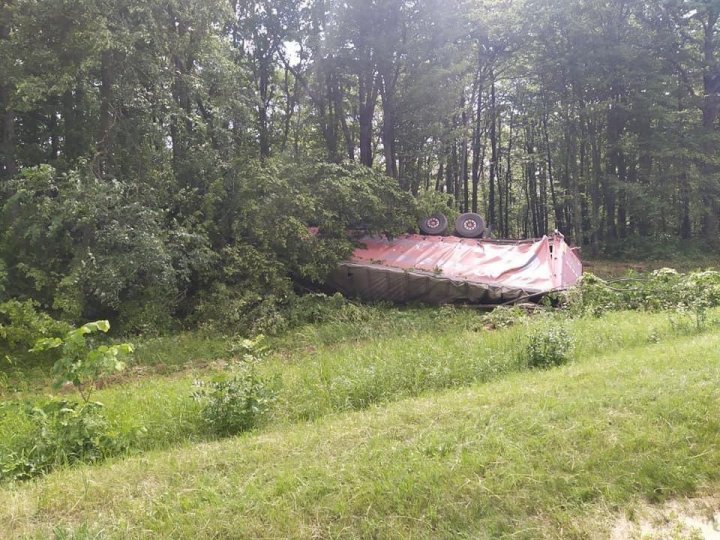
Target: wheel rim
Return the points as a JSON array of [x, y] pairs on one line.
[[470, 224], [433, 223]]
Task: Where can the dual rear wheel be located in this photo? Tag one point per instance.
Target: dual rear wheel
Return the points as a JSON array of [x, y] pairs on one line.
[[468, 225]]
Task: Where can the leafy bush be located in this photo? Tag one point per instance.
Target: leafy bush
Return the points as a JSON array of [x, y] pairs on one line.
[[60, 432], [662, 289], [350, 196], [503, 317], [87, 247], [239, 401], [57, 433], [80, 363], [547, 348], [248, 295], [431, 202], [699, 292], [21, 324]]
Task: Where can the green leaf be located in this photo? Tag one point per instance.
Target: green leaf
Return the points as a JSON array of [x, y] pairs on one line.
[[46, 344]]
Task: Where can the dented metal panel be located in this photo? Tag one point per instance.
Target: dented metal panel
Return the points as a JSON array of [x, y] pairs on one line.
[[437, 270]]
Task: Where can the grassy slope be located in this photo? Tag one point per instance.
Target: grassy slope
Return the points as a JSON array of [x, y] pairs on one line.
[[535, 454], [400, 362]]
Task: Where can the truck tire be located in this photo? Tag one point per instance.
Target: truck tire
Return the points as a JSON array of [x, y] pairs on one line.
[[433, 225], [469, 225]]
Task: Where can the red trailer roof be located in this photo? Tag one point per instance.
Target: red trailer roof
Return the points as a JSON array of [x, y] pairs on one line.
[[439, 269]]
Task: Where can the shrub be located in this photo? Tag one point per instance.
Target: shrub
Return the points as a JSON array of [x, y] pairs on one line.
[[547, 348], [239, 401], [87, 247], [60, 432], [699, 292], [660, 290], [82, 364], [21, 324], [503, 317], [235, 405], [57, 433]]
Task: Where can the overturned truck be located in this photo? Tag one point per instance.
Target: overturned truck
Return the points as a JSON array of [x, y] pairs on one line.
[[472, 268]]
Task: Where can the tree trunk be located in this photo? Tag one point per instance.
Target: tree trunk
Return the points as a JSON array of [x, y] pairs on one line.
[[710, 111], [8, 166], [572, 179], [264, 67], [508, 176], [179, 129], [612, 174], [103, 140], [492, 181], [367, 99], [464, 157], [476, 148], [340, 112], [388, 132], [557, 208]]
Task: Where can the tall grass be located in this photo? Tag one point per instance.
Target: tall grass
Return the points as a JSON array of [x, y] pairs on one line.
[[409, 357], [555, 454]]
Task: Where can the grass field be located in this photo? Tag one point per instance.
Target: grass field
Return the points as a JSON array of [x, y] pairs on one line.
[[416, 423]]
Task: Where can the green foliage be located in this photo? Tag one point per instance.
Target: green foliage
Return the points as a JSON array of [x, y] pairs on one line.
[[503, 317], [239, 401], [87, 247], [268, 214], [354, 196], [546, 348], [236, 404], [91, 248], [56, 433], [429, 202], [59, 432], [21, 324], [80, 363], [691, 294], [318, 308], [699, 292]]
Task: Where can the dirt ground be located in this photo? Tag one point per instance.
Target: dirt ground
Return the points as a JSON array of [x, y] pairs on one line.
[[687, 519]]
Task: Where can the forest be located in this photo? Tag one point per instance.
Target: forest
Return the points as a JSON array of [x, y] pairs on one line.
[[179, 179], [161, 158]]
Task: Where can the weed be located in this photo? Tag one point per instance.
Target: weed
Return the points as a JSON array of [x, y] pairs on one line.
[[57, 433], [654, 336], [239, 402], [60, 432], [547, 348], [503, 317], [21, 325], [234, 405], [80, 363], [663, 289]]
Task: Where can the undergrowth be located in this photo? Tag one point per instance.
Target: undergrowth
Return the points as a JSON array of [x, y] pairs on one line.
[[547, 348], [240, 399], [560, 453], [349, 357]]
